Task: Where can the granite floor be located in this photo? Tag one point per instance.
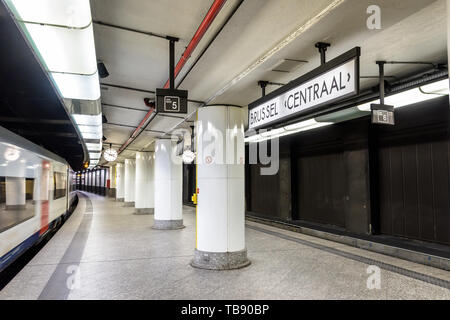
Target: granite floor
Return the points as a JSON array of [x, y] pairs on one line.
[[107, 252]]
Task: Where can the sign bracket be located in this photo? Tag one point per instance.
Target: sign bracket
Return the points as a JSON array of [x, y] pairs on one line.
[[382, 113], [322, 46]]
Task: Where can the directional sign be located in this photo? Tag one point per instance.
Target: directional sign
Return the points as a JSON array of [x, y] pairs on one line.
[[333, 81], [171, 101]]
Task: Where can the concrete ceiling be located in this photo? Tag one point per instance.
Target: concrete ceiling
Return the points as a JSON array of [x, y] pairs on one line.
[[412, 30]]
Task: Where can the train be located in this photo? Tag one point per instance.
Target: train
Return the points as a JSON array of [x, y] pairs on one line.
[[37, 194]]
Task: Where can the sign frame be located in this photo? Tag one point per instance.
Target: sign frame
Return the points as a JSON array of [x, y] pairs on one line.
[[353, 54], [162, 94], [388, 110]]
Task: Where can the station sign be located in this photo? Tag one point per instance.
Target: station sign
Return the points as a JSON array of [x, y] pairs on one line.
[[171, 101], [382, 114], [315, 91]]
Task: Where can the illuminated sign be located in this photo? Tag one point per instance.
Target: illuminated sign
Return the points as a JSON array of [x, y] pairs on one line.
[[331, 82]]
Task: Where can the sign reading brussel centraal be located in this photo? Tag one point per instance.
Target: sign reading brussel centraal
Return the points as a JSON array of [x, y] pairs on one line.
[[331, 82]]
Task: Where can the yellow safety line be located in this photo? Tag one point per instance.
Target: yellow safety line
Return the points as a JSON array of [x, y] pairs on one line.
[[196, 177]]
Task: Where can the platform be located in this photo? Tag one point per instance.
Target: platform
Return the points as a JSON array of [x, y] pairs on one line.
[[119, 256]]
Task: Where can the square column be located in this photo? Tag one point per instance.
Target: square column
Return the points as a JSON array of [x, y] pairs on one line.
[[168, 186], [144, 188], [220, 236]]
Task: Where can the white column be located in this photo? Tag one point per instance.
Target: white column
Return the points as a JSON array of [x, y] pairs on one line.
[[120, 182], [15, 193], [168, 186], [112, 181], [220, 236], [130, 176], [144, 188]]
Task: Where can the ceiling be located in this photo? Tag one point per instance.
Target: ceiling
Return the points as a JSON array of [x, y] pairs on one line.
[[243, 52]]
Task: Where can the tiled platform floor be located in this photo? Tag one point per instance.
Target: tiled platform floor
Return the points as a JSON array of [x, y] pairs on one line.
[[110, 253]]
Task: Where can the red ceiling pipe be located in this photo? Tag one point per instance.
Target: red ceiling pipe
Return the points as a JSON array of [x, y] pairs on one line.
[[202, 28], [135, 132]]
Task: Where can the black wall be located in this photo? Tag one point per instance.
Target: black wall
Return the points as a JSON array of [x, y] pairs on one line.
[[364, 178], [188, 183], [413, 162]]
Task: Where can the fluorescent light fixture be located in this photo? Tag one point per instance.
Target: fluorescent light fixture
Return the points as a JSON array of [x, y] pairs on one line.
[[90, 120], [272, 133], [75, 86], [70, 13], [94, 146], [288, 130], [65, 50], [62, 34], [94, 155], [90, 129], [412, 96], [300, 125], [88, 135]]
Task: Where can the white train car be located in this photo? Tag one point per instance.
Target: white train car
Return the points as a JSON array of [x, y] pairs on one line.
[[36, 194]]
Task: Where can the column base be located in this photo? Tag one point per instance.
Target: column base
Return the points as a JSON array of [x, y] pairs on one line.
[[128, 204], [120, 199], [112, 193], [140, 211], [220, 260], [168, 224], [15, 207]]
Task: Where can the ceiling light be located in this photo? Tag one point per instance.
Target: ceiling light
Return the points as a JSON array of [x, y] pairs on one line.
[[94, 146], [70, 13], [86, 119], [75, 86], [301, 124], [412, 96], [288, 130]]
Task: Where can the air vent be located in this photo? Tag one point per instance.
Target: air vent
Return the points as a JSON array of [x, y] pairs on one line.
[[287, 65]]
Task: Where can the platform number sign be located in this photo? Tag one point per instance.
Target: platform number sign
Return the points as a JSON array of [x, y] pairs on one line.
[[171, 101], [171, 104], [382, 114]]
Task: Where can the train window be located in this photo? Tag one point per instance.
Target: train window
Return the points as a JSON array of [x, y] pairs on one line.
[[59, 181], [17, 203]]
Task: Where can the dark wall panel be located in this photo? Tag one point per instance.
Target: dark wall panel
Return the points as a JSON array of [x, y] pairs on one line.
[[414, 184], [322, 189], [270, 195], [332, 176]]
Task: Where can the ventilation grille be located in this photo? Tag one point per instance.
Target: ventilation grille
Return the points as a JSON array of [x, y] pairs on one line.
[[287, 65]]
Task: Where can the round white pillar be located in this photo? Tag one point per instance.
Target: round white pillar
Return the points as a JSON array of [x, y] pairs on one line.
[[144, 188], [120, 182], [15, 193], [220, 236], [130, 177], [168, 186], [112, 181]]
